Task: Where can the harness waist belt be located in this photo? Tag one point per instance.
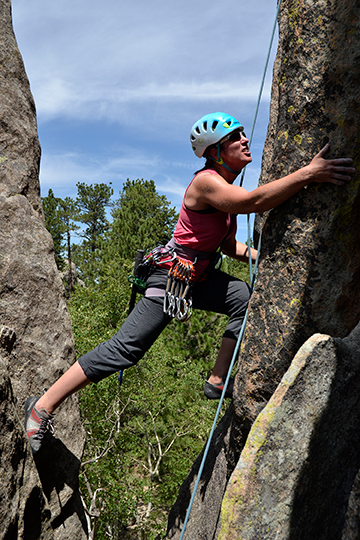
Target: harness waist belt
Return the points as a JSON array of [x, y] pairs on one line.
[[189, 253]]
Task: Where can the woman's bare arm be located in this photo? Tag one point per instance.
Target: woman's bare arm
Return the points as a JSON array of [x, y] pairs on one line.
[[216, 191]]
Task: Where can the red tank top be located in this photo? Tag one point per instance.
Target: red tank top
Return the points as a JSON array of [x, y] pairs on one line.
[[203, 231]]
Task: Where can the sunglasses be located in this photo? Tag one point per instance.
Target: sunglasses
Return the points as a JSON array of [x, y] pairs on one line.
[[234, 136]]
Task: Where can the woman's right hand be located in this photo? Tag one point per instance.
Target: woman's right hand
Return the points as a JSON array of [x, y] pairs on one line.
[[336, 171]]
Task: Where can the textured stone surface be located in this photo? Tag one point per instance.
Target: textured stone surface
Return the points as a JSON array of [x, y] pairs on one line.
[[294, 476], [309, 275], [35, 331]]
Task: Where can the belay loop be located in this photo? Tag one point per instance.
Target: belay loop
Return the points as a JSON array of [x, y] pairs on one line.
[[177, 300]]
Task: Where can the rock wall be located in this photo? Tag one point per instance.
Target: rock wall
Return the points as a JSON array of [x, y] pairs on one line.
[[37, 499], [309, 277], [295, 474], [309, 274]]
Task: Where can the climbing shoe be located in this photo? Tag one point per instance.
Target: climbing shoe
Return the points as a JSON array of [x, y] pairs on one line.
[[214, 391], [38, 422]]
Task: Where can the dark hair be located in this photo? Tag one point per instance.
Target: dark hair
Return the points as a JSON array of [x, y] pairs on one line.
[[209, 163]]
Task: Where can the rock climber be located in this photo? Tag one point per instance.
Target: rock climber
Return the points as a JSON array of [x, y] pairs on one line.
[[205, 224]]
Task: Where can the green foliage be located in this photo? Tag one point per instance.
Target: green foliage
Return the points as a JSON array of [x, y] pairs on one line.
[[142, 437], [236, 268], [54, 224], [142, 219]]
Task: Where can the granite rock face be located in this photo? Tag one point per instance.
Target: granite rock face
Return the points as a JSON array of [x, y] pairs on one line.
[[38, 499], [309, 276], [309, 273], [295, 474]]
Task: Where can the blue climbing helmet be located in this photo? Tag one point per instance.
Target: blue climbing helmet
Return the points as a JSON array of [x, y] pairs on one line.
[[210, 129]]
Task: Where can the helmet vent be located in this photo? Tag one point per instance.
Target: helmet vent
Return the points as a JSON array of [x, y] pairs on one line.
[[214, 124], [205, 126], [197, 130]]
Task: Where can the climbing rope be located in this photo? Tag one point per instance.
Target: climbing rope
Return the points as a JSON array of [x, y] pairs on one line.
[[252, 281]]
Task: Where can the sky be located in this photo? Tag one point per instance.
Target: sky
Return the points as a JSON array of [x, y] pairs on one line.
[[118, 85]]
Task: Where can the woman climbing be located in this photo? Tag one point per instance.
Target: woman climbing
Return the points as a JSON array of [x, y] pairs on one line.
[[205, 224]]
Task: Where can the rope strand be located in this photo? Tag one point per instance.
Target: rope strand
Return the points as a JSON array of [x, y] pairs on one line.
[[242, 330]]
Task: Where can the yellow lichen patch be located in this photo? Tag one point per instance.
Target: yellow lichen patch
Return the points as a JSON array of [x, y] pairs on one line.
[[295, 302], [283, 134], [291, 109], [298, 139], [282, 79], [340, 121], [259, 432], [2, 159], [293, 15]]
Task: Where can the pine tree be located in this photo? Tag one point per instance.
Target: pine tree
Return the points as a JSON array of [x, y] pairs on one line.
[[68, 213], [54, 224], [142, 219], [91, 203]]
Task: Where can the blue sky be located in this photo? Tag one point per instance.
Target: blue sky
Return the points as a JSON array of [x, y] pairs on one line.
[[118, 85]]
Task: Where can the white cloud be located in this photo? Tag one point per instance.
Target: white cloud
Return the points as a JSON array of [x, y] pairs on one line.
[[57, 97], [144, 72], [89, 58]]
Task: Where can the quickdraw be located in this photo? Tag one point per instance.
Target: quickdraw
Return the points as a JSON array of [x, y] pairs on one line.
[[159, 255], [177, 300]]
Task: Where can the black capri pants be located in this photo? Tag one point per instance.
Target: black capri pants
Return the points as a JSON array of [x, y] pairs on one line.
[[219, 293]]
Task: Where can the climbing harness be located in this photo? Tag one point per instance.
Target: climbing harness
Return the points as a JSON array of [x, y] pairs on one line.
[[181, 275], [242, 330], [177, 299]]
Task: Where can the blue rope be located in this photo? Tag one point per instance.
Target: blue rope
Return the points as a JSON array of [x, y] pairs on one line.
[[238, 342], [242, 330]]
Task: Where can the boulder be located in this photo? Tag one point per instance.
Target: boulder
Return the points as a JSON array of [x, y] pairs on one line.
[[295, 474]]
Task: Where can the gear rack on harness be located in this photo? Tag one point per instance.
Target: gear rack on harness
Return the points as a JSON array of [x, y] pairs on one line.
[[177, 299]]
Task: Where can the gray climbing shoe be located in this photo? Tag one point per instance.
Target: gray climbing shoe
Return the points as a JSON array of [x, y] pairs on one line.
[[37, 423]]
